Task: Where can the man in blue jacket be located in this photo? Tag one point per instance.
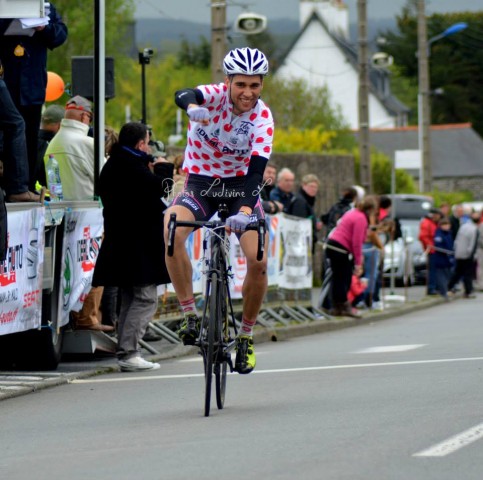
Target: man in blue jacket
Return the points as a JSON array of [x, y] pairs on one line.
[[24, 60]]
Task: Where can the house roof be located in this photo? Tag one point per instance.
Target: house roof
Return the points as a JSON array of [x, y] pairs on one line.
[[456, 149], [378, 78]]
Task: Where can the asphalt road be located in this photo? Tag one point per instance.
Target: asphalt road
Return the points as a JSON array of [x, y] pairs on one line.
[[399, 399]]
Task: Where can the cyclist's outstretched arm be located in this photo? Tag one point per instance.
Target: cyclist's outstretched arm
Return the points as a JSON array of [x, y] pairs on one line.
[[190, 99]]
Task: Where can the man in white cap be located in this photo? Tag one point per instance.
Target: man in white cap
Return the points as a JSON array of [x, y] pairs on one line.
[[74, 150]]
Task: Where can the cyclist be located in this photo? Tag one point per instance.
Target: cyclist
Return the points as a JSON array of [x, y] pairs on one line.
[[229, 138]]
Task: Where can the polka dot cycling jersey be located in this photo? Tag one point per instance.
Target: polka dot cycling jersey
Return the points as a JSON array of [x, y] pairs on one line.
[[224, 147]]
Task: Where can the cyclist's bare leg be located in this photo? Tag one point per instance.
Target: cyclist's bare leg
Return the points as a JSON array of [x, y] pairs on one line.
[[256, 281], [179, 265]]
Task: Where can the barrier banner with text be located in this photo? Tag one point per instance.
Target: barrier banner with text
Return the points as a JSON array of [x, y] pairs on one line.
[[289, 255], [82, 240], [21, 272]]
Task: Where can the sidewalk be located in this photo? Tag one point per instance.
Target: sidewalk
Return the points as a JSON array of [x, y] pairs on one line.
[[398, 302]]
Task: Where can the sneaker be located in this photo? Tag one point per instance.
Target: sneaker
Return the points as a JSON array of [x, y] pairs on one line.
[[245, 360], [137, 364], [377, 306], [189, 329]]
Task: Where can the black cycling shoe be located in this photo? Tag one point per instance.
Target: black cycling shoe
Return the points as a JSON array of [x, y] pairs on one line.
[[189, 329]]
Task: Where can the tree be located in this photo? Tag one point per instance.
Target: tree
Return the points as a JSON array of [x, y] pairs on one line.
[[198, 56], [79, 18], [456, 65]]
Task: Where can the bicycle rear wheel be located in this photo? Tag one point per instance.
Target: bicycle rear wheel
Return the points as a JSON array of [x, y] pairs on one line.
[[208, 346]]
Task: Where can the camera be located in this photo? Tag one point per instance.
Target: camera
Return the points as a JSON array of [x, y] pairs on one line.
[[250, 23], [145, 56]]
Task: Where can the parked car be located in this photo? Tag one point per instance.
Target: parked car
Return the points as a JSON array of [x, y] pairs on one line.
[[405, 255]]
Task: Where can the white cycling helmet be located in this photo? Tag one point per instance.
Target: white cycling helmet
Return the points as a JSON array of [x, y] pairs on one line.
[[245, 61]]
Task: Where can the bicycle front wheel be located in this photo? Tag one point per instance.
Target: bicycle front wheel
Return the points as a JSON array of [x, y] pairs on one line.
[[221, 366], [208, 346]]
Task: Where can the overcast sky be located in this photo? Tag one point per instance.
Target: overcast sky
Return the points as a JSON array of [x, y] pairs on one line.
[[199, 10]]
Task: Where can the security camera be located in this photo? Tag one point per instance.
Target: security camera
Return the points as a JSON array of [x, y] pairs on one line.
[[382, 60], [148, 52], [250, 23]]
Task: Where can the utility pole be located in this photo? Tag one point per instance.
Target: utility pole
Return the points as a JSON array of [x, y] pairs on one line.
[[424, 116], [218, 39], [363, 59]]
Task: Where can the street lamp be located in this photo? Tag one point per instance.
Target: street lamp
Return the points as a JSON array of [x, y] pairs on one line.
[[424, 118]]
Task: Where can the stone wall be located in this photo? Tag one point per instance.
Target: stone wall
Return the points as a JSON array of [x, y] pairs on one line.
[[469, 184]]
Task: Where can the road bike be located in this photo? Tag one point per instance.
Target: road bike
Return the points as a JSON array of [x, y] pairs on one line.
[[218, 329]]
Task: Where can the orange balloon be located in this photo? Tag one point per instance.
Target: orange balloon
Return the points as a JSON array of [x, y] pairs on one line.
[[55, 87]]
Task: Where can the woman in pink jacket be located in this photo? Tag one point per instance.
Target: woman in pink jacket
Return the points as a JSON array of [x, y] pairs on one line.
[[344, 251]]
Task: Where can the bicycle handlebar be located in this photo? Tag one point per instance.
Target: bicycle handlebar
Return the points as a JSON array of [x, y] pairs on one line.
[[259, 226]]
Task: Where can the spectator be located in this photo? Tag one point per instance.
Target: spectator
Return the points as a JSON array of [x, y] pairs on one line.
[[142, 242], [479, 257], [373, 251], [361, 193], [49, 126], [445, 209], [179, 176], [443, 256], [15, 161], [329, 220], [110, 303], [357, 289], [283, 192], [302, 204], [74, 150], [111, 137], [344, 251], [427, 229], [25, 60], [455, 219], [343, 205], [465, 250], [269, 179]]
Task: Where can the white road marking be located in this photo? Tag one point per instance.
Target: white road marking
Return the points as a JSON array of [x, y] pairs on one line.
[[454, 443], [390, 348], [283, 370]]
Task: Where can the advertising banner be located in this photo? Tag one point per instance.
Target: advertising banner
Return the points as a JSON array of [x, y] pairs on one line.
[[82, 240], [289, 250], [21, 272], [295, 253]]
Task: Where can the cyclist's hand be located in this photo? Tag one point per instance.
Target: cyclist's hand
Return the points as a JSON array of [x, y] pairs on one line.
[[238, 223], [198, 114]]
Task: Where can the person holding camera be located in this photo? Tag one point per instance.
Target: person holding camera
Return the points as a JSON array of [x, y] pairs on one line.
[[229, 144], [132, 252]]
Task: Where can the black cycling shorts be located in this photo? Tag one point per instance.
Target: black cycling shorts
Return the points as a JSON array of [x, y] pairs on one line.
[[202, 195]]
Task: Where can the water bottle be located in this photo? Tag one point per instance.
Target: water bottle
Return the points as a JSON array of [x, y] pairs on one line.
[[53, 180]]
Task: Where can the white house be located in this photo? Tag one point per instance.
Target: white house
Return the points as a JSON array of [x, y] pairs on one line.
[[322, 55]]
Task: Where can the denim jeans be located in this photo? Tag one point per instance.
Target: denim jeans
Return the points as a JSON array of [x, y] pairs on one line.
[[371, 270], [15, 165]]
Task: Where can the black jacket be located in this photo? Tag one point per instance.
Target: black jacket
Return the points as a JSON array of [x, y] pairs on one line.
[[26, 71], [132, 252]]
